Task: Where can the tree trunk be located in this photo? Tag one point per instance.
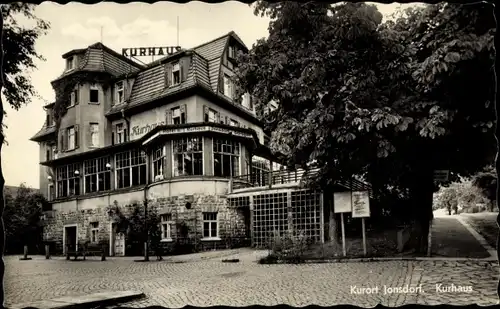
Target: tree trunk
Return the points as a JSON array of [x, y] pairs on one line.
[[2, 180], [421, 198]]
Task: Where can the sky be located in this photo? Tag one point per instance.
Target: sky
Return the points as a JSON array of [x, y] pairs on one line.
[[76, 25]]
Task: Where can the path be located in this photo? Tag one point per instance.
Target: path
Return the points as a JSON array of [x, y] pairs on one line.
[[450, 238]]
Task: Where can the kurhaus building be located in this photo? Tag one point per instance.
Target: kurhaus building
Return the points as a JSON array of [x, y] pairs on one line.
[[171, 132]]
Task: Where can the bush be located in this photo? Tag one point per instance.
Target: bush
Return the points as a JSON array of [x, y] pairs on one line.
[[288, 248]]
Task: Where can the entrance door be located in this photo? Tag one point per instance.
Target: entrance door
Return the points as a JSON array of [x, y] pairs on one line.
[[117, 242], [70, 240]]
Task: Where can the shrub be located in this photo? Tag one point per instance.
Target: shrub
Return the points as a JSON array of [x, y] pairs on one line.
[[289, 247]]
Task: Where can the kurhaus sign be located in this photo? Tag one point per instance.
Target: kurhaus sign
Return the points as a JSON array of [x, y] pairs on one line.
[[141, 130], [200, 129], [150, 51]]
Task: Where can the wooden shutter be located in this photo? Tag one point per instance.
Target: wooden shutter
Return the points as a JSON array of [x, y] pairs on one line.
[[76, 95], [227, 120], [217, 117], [205, 113], [184, 113], [65, 140], [169, 117], [76, 136], [113, 134], [88, 135], [182, 71], [61, 140], [125, 134], [221, 83], [168, 75]]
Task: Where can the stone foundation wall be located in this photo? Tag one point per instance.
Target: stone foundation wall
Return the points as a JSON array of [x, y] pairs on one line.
[[231, 221]]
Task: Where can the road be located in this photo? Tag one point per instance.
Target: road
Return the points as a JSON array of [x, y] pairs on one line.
[[207, 282]]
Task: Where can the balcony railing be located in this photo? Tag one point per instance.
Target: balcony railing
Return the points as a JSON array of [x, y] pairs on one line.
[[275, 178]]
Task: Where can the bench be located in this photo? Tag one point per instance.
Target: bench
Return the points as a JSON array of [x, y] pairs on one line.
[[86, 250]]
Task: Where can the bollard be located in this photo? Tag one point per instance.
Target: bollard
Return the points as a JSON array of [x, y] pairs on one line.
[[25, 252], [67, 253], [103, 253], [47, 252]]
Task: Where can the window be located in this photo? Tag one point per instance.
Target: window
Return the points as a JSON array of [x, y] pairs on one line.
[[176, 74], [73, 98], [226, 158], [234, 123], [188, 156], [94, 94], [48, 121], [120, 134], [68, 180], [130, 168], [228, 86], [231, 53], [210, 226], [260, 170], [246, 101], [51, 194], [119, 93], [158, 161], [94, 232], [211, 116], [71, 138], [94, 135], [97, 175], [70, 63], [178, 116], [166, 227]]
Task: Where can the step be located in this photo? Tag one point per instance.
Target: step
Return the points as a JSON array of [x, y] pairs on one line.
[[83, 301]]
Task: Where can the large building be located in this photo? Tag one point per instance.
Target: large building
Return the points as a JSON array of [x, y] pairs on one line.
[[171, 132]]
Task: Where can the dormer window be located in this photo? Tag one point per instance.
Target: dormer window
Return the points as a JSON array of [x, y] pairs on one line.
[[228, 86], [176, 74], [48, 121], [70, 63], [119, 93], [231, 52]]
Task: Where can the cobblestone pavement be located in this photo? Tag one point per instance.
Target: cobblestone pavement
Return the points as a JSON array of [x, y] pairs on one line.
[[206, 282]]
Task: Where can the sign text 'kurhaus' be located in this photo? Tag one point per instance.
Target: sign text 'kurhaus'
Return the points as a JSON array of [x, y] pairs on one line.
[[150, 51]]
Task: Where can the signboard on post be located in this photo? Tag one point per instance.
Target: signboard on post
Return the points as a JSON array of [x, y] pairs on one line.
[[342, 202], [360, 204]]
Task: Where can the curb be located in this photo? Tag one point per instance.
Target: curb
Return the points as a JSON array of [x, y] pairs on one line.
[[361, 260], [83, 301]]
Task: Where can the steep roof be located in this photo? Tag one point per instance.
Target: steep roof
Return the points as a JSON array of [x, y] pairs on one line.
[[204, 71], [100, 58]]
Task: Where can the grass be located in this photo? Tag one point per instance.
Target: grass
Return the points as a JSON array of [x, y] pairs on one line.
[[486, 225]]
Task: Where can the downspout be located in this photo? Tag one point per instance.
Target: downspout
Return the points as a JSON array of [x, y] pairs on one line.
[[148, 183], [127, 121]]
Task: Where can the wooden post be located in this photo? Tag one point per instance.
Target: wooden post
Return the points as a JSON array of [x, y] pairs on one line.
[[364, 235], [25, 252], [429, 239], [47, 252], [343, 233]]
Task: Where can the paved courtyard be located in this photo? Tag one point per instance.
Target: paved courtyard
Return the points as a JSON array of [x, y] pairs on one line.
[[206, 282]]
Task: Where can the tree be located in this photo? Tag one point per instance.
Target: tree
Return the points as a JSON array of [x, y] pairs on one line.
[[487, 182], [22, 219], [390, 101], [17, 54]]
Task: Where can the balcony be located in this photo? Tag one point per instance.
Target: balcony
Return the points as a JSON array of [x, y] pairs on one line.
[[285, 178]]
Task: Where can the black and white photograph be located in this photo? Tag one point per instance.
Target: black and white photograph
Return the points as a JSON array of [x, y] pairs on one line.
[[238, 154]]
